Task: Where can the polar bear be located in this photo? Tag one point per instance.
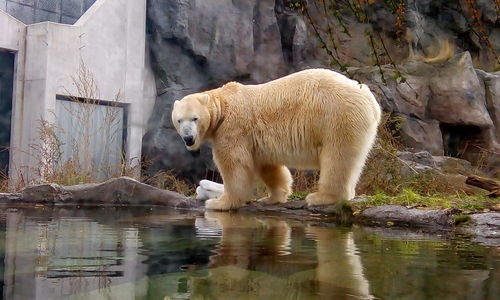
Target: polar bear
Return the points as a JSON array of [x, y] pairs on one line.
[[312, 119]]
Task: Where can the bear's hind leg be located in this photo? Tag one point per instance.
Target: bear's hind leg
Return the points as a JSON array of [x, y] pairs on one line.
[[278, 181], [334, 186], [360, 156], [340, 169]]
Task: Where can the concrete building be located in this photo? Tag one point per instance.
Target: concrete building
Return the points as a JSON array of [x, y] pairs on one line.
[[55, 62]]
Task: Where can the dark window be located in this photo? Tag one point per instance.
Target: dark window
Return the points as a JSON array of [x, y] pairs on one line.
[[6, 93]]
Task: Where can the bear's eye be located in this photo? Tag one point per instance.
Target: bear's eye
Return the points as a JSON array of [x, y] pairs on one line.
[[179, 121], [195, 119]]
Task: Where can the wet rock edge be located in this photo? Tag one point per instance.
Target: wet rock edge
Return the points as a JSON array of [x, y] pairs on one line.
[[124, 191]]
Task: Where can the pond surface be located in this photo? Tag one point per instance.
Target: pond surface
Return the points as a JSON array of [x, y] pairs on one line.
[[140, 253]]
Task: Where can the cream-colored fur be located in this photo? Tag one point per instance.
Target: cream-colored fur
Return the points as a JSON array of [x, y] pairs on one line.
[[313, 119]]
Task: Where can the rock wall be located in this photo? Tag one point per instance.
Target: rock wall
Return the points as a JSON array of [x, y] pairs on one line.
[[446, 108], [200, 44]]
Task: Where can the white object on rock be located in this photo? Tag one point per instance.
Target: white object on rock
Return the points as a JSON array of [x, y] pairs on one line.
[[209, 190]]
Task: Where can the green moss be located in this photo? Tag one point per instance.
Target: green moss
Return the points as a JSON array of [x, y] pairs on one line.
[[408, 197], [459, 219], [299, 195]]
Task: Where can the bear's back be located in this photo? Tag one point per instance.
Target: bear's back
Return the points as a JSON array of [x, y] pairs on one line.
[[288, 117]]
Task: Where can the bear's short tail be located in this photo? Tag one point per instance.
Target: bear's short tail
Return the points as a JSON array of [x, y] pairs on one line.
[[376, 106]]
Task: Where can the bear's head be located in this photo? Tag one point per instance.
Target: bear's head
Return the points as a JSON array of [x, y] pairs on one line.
[[191, 118]]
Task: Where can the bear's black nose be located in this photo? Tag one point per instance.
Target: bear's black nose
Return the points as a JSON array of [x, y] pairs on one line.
[[189, 140]]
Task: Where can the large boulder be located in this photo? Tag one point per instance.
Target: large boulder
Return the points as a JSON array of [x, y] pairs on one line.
[[491, 83], [422, 135], [458, 94], [122, 191], [445, 107]]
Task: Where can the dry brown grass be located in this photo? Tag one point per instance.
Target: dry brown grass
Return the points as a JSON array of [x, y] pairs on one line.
[[78, 167], [383, 170], [4, 183], [168, 181], [305, 181]]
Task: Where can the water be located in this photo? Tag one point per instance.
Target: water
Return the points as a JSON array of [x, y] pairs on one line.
[[140, 253]]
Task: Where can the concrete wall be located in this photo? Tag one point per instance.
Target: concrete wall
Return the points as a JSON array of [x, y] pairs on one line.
[[34, 11], [109, 39]]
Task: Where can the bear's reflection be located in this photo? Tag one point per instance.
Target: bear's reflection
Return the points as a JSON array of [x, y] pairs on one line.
[[339, 271], [268, 258]]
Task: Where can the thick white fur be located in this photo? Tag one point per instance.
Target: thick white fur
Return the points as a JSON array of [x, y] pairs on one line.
[[313, 119]]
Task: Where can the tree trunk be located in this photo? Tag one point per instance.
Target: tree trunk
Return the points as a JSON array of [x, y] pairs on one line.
[[490, 185]]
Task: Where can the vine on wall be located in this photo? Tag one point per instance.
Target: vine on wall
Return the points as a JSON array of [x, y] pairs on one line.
[[329, 20]]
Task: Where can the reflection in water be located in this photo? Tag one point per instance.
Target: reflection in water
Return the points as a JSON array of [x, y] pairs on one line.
[[50, 258], [158, 254], [339, 269], [254, 260]]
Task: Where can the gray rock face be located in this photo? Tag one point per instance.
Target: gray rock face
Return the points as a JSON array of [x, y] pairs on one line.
[[423, 161], [197, 45], [492, 96], [419, 134], [458, 94], [446, 108]]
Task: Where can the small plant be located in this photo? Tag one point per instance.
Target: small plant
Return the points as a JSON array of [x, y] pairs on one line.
[[67, 155], [299, 195], [382, 171], [4, 183]]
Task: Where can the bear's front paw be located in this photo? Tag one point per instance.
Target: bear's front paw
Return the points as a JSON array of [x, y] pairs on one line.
[[217, 204], [321, 199], [272, 200]]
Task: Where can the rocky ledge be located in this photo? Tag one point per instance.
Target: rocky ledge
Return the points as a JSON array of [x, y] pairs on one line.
[[483, 228], [123, 191]]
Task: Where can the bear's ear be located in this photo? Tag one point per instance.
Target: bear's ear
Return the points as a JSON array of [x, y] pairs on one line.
[[175, 102], [204, 99]]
